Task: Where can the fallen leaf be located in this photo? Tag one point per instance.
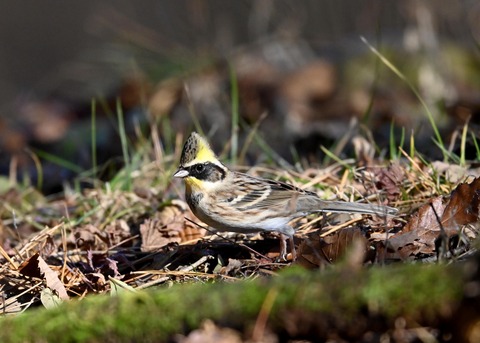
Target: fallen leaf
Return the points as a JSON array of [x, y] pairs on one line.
[[453, 172], [413, 243], [118, 232], [425, 226], [52, 279], [49, 299], [427, 216], [113, 266], [168, 226], [364, 150], [86, 237], [463, 207], [419, 235], [155, 235], [233, 265], [316, 251], [390, 180], [36, 266]]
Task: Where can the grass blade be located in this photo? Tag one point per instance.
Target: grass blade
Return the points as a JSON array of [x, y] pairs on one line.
[[477, 147], [463, 143], [58, 161], [412, 145], [393, 146], [94, 139], [38, 167], [124, 142], [397, 72], [235, 115]]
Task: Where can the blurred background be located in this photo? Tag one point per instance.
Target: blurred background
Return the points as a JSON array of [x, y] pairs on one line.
[[300, 72]]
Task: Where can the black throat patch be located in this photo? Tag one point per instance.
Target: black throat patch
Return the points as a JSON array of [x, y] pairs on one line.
[[194, 200]]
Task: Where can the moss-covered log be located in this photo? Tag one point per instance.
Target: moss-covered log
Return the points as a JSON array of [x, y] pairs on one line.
[[342, 302]]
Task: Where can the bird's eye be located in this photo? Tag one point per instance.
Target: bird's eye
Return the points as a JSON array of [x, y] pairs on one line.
[[199, 168]]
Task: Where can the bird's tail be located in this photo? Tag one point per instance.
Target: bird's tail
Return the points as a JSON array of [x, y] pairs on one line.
[[354, 207]]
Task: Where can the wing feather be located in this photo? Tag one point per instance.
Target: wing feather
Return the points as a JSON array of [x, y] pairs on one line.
[[264, 194], [251, 193]]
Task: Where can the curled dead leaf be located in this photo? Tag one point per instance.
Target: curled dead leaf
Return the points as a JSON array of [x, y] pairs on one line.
[[86, 237], [316, 251], [36, 266], [155, 236], [463, 207], [233, 265], [453, 172], [390, 179], [90, 237], [168, 226], [419, 236], [427, 216], [118, 232]]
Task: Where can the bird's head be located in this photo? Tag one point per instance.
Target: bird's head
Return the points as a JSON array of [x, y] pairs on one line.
[[199, 164]]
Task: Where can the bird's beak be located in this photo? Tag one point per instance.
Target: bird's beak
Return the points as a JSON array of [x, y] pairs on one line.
[[181, 172]]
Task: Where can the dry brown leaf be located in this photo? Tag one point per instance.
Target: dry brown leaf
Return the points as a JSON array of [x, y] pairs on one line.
[[52, 279], [463, 207], [424, 227], [169, 225], [338, 243], [390, 180], [316, 251], [86, 237], [113, 266], [118, 232], [155, 235], [233, 265], [420, 233], [425, 217], [364, 150], [165, 97], [36, 266], [412, 243], [90, 237], [29, 267], [453, 172]]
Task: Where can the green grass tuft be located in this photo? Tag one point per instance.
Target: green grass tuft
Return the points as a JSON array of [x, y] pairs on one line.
[[235, 115], [93, 135], [438, 138], [124, 142]]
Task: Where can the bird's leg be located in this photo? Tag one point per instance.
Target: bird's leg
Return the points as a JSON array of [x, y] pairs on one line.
[[292, 248], [283, 247]]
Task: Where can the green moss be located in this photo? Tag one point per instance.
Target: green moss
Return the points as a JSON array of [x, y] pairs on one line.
[[411, 290]]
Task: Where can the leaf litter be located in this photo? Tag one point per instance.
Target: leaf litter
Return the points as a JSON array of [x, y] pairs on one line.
[[105, 241]]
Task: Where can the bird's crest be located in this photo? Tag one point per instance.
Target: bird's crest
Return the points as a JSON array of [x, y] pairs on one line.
[[196, 150]]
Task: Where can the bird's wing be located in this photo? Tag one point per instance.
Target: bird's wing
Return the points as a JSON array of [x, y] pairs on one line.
[[248, 192], [251, 192]]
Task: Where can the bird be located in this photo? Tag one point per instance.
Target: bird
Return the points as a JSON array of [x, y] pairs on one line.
[[228, 200]]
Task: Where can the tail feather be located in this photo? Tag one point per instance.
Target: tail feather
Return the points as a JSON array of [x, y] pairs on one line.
[[354, 207]]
